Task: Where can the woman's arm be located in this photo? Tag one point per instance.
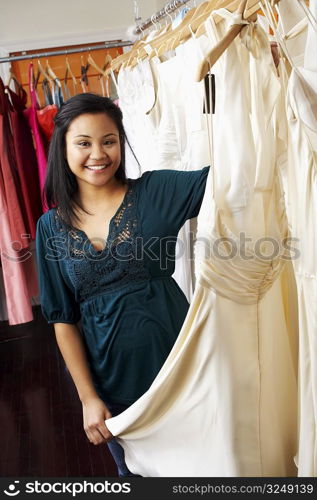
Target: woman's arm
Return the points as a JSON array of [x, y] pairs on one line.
[[95, 411]]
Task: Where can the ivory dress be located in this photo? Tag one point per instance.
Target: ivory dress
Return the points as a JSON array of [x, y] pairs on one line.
[[225, 401], [301, 188], [162, 108]]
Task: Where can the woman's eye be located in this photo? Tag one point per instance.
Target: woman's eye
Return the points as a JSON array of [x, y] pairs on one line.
[[85, 144]]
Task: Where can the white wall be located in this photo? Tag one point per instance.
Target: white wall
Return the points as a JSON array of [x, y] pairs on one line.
[[34, 24], [27, 24]]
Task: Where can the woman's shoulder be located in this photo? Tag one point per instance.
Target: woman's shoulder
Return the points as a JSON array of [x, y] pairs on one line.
[[49, 221], [155, 177], [167, 178]]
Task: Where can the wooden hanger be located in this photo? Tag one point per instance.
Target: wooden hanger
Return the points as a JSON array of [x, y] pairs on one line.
[[201, 29], [198, 25], [199, 15], [95, 65], [215, 53], [74, 79], [12, 77], [108, 61], [119, 60], [130, 57], [51, 73], [184, 31], [161, 43], [101, 73], [45, 75]]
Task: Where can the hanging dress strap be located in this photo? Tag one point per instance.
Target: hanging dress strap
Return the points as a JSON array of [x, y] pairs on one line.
[[33, 96]]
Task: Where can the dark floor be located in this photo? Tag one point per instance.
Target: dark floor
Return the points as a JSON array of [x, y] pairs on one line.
[[40, 413]]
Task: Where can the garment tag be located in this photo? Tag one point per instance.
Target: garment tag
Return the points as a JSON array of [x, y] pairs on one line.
[[210, 91]]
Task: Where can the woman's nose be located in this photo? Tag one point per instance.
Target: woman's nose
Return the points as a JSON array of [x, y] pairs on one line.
[[98, 152]]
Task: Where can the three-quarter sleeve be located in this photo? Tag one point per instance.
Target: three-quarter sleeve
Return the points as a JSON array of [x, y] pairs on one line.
[[57, 299], [176, 195]]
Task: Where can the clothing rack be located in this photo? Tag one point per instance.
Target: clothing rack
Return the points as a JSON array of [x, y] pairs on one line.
[[106, 45], [170, 7]]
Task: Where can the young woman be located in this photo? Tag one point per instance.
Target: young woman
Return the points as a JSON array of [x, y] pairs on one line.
[[106, 254]]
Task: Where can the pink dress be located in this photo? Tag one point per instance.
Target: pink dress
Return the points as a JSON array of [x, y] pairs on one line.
[[15, 269], [10, 178], [26, 162], [39, 141], [17, 262]]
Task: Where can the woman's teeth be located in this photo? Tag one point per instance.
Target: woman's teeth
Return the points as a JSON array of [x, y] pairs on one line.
[[98, 167]]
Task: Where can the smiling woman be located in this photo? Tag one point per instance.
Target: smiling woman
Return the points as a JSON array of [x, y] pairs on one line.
[[116, 274], [93, 153]]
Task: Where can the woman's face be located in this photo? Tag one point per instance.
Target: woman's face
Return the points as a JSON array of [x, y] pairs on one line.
[[93, 149]]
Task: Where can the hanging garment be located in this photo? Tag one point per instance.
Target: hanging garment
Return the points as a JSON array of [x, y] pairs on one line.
[[48, 98], [67, 93], [19, 278], [225, 401], [182, 129], [293, 24], [31, 116], [301, 188], [57, 94], [11, 181], [25, 161], [153, 97], [45, 119], [138, 93]]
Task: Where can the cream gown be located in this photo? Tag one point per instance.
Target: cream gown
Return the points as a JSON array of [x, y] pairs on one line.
[[162, 107], [225, 401], [301, 187]]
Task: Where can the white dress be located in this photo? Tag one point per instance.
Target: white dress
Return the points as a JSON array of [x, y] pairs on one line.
[[225, 401], [164, 122], [301, 187]]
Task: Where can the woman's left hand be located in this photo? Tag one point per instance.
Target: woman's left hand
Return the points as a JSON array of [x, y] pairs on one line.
[[95, 413]]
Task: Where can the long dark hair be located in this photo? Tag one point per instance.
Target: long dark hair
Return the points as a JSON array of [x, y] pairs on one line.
[[60, 183]]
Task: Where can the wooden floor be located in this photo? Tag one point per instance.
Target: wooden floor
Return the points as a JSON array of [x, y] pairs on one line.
[[40, 413]]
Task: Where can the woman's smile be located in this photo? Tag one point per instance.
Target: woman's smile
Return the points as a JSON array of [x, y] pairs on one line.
[[97, 168]]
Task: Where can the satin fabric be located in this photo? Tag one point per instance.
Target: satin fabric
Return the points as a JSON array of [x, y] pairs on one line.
[[225, 401], [301, 188]]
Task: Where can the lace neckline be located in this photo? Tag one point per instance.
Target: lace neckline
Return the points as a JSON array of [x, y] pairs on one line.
[[114, 223]]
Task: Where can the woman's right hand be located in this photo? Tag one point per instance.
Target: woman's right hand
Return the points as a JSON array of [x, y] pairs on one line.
[[95, 413]]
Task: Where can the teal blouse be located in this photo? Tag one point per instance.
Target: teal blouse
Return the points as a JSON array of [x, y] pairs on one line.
[[129, 307]]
